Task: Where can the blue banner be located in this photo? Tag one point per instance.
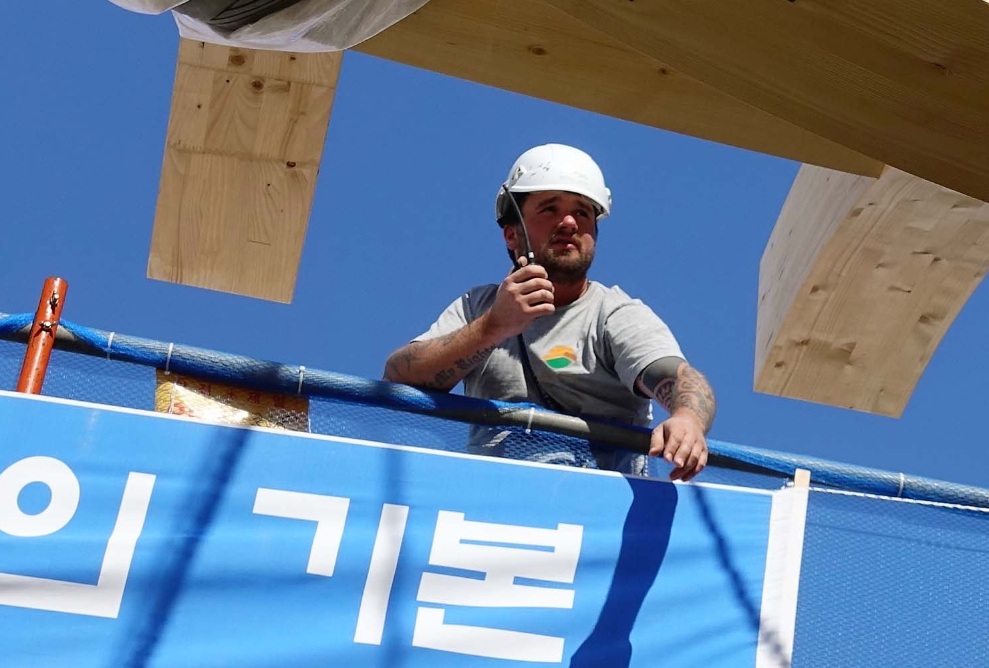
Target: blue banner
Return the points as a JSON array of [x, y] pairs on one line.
[[130, 538]]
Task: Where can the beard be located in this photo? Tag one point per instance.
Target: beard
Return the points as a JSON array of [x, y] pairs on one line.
[[569, 266]]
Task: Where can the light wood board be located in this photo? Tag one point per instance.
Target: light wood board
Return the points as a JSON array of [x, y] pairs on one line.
[[529, 47], [861, 279], [903, 81], [244, 143]]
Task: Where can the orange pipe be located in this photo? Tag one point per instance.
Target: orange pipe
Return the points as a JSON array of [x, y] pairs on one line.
[[42, 337]]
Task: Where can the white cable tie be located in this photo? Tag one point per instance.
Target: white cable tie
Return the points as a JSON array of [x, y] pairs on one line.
[[528, 426], [302, 374], [109, 344], [168, 360], [903, 481]]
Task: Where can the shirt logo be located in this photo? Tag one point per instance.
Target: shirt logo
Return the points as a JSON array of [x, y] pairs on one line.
[[560, 357]]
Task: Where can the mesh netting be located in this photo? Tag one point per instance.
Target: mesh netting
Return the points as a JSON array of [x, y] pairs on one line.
[[893, 583], [74, 376], [11, 355], [119, 370], [117, 383]]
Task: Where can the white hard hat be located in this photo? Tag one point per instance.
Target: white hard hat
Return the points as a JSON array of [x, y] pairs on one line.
[[555, 167]]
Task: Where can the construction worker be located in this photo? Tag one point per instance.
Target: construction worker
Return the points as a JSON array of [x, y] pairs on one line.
[[549, 335]]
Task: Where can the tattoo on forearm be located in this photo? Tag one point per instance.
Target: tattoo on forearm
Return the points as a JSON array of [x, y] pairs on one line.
[[402, 363], [401, 360], [691, 390], [664, 393], [442, 378], [688, 390], [465, 364], [469, 362]]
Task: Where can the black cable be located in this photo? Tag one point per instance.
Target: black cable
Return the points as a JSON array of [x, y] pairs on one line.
[[529, 255], [240, 13]]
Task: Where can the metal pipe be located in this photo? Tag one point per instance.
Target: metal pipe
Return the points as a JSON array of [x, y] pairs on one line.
[[41, 339]]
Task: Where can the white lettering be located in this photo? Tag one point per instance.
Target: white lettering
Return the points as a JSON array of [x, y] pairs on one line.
[[431, 631], [102, 599], [503, 553], [64, 488], [328, 512], [381, 574]]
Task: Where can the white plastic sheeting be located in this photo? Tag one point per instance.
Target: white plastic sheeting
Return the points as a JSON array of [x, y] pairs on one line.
[[308, 25], [148, 6]]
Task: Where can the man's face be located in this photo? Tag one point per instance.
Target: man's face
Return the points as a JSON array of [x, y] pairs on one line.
[[562, 227]]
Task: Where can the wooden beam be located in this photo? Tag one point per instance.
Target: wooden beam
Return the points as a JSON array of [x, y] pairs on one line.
[[244, 143], [903, 81], [528, 47], [858, 284]]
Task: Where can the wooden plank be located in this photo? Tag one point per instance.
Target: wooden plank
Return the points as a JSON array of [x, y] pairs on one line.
[[244, 143], [818, 203], [861, 279], [903, 81], [527, 47]]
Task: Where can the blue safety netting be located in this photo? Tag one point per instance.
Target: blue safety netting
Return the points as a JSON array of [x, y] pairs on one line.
[[887, 582], [117, 369]]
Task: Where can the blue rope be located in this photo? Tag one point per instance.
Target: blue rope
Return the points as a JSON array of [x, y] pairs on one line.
[[10, 324], [277, 377]]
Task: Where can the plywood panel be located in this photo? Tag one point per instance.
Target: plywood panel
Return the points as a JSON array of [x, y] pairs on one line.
[[529, 47], [903, 81], [245, 138], [861, 279]]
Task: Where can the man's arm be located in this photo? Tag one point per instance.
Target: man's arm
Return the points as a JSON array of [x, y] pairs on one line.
[[441, 363], [684, 392]]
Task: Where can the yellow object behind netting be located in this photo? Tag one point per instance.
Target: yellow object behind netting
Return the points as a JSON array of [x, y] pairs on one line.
[[203, 400]]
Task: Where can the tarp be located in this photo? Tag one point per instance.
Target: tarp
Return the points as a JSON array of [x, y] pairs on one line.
[[303, 25], [130, 538]]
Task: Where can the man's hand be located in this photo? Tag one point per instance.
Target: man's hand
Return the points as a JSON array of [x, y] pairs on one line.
[[680, 441], [686, 394], [523, 296]]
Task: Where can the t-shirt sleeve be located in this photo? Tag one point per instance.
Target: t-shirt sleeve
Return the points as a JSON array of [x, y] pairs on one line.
[[450, 320], [637, 337], [467, 308]]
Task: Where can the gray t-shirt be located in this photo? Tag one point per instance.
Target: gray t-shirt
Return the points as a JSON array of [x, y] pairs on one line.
[[586, 356]]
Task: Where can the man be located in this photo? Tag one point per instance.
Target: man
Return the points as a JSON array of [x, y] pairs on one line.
[[549, 335]]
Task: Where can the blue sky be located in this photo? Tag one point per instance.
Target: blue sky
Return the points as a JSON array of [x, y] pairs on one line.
[[402, 224]]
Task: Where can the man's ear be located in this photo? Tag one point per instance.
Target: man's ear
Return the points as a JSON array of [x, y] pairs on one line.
[[510, 232]]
